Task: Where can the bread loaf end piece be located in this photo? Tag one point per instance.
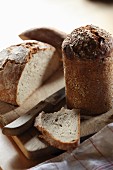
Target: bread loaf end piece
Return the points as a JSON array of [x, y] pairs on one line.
[[25, 67], [60, 129]]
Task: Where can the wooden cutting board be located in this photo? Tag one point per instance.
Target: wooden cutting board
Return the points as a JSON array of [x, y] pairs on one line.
[[29, 142]]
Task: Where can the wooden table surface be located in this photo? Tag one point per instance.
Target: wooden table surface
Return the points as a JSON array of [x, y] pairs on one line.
[[17, 16], [11, 157]]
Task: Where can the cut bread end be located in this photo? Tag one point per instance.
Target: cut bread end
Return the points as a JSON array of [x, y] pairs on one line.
[[24, 68], [40, 67], [60, 129]]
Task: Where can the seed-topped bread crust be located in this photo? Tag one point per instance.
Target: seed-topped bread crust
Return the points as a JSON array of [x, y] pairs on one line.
[[88, 42], [88, 69]]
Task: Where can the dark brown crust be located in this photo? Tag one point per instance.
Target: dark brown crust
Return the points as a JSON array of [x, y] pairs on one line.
[[89, 71], [89, 84], [88, 42], [51, 36], [9, 81]]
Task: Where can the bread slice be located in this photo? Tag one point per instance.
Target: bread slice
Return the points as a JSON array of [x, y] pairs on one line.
[[25, 67], [60, 129]]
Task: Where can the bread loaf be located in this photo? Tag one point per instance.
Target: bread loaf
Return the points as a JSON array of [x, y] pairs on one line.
[[60, 129], [48, 35], [25, 67], [88, 69]]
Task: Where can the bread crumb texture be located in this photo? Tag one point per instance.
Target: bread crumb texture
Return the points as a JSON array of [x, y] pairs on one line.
[[60, 129]]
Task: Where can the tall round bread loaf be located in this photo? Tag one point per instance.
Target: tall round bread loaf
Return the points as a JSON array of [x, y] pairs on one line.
[[88, 69]]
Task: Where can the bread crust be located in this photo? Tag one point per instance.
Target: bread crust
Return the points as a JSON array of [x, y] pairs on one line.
[[88, 70], [88, 42], [89, 85], [48, 35], [57, 143], [9, 78]]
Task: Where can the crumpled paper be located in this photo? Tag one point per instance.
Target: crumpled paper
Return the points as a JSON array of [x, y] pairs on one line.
[[96, 153]]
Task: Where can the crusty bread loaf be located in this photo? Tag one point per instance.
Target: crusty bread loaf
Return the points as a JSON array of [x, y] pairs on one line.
[[60, 129], [88, 69], [23, 68], [48, 35]]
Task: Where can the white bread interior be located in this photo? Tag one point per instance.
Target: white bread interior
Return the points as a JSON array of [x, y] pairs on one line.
[[60, 129]]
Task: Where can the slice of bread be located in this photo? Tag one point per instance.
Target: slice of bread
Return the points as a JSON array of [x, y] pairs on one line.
[[60, 129]]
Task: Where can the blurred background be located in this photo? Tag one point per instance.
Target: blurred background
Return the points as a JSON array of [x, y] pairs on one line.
[[17, 16]]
